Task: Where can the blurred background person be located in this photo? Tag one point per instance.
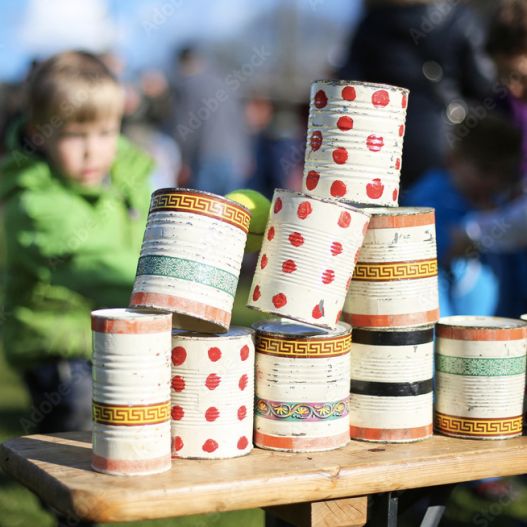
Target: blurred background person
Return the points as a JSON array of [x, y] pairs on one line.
[[436, 49], [209, 125]]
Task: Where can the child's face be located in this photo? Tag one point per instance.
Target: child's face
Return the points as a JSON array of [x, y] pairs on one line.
[[513, 73], [84, 152]]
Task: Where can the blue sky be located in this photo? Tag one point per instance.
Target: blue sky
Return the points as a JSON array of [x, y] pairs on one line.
[[142, 31]]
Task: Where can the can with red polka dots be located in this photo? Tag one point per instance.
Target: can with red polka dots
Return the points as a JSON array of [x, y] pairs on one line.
[[212, 394], [354, 141], [302, 386], [131, 392], [394, 284], [191, 257], [307, 258]]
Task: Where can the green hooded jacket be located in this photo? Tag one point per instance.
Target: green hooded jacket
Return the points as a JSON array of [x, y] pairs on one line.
[[69, 249]]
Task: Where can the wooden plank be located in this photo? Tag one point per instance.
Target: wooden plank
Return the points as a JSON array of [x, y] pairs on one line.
[[58, 469], [344, 512]]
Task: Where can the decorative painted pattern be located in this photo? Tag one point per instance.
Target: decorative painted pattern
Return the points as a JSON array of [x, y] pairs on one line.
[[306, 349], [204, 205], [127, 415], [380, 272], [170, 266], [282, 411], [478, 427], [476, 366]]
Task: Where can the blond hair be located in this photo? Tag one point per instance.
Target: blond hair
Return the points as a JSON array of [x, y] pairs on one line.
[[73, 86]]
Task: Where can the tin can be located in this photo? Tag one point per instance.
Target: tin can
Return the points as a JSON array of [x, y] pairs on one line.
[[307, 258], [391, 384], [212, 394], [354, 141], [131, 392], [302, 386], [191, 257], [395, 280], [480, 377]]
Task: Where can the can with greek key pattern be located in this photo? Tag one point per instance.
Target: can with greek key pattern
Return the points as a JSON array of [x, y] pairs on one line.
[[354, 141], [212, 394], [480, 376], [131, 391], [191, 257], [395, 280], [302, 386], [307, 258], [391, 384]]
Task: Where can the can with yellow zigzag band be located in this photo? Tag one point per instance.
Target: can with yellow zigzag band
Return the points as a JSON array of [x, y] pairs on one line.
[[302, 386], [394, 284], [131, 391], [480, 377]]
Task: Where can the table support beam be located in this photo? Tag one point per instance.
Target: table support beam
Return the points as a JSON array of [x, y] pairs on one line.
[[346, 512]]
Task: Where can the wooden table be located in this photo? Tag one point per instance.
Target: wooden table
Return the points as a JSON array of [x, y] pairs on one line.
[[328, 488]]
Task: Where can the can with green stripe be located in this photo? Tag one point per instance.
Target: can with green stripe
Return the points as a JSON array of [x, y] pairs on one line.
[[480, 376], [191, 257]]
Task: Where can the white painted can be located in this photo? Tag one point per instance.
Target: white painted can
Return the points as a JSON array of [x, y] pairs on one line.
[[212, 394], [354, 141], [131, 391], [307, 258], [391, 384], [395, 280], [302, 386], [191, 257], [480, 377]]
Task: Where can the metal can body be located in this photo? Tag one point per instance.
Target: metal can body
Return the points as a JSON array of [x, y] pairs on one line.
[[391, 385], [302, 385], [480, 377], [354, 141], [191, 257], [131, 392], [307, 258], [394, 284], [212, 394]]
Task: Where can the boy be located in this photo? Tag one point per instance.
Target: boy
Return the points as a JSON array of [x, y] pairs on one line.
[[483, 169], [75, 198]]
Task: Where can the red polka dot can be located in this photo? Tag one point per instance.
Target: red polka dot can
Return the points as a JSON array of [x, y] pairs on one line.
[[212, 394], [354, 141], [307, 258]]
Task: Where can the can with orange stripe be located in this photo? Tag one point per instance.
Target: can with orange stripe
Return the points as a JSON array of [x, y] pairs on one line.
[[302, 386], [131, 391], [212, 394], [480, 377], [391, 384], [191, 257], [394, 283]]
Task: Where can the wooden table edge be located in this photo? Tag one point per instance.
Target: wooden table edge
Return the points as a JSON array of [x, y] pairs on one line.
[[311, 485]]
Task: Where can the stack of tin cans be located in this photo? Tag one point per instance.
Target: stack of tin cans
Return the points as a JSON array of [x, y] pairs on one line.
[[171, 377]]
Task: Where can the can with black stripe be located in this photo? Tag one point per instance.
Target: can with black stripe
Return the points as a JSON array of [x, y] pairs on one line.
[[391, 384]]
